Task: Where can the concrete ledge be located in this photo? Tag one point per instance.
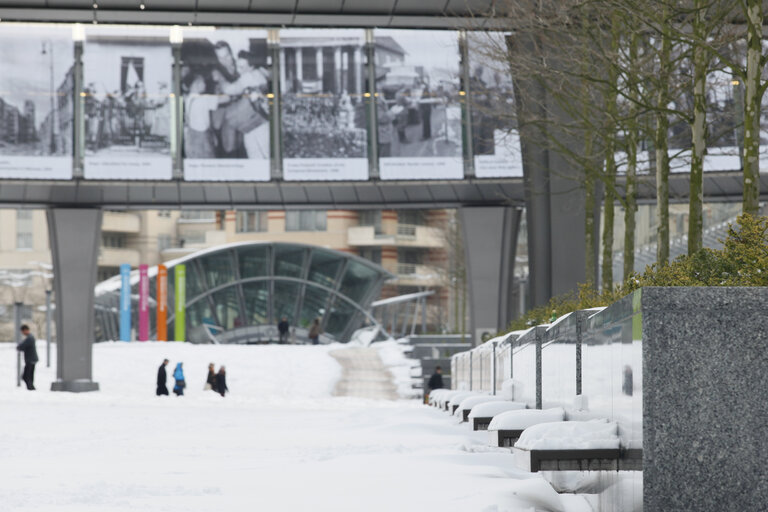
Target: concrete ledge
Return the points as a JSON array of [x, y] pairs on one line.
[[74, 386], [567, 460], [481, 423], [506, 438]]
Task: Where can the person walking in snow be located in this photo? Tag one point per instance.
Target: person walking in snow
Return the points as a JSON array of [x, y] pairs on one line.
[[436, 380], [282, 328], [178, 375], [314, 331], [210, 382], [162, 389], [30, 357], [221, 381]]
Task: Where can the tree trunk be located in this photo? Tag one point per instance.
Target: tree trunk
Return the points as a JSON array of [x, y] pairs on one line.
[[630, 207], [661, 146], [752, 100], [698, 134]]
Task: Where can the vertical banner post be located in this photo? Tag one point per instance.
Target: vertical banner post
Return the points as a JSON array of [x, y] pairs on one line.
[[17, 329], [162, 303], [143, 302], [125, 302], [48, 328], [180, 293]]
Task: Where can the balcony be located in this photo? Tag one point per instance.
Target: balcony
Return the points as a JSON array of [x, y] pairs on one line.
[[114, 257], [412, 274], [408, 235], [120, 222]]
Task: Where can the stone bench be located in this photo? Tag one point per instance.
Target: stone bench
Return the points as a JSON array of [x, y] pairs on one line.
[[615, 459]]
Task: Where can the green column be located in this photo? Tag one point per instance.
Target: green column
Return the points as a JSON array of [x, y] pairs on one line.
[[180, 293]]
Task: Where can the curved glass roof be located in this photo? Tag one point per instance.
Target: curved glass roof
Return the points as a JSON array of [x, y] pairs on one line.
[[245, 289]]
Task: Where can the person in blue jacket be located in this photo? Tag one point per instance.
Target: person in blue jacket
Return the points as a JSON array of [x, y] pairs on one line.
[[178, 375]]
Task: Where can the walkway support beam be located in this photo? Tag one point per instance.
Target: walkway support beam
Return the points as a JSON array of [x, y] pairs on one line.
[[75, 234], [490, 243]]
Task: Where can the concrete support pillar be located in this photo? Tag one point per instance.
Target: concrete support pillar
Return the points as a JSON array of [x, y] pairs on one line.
[[490, 243], [337, 87], [74, 238], [319, 63]]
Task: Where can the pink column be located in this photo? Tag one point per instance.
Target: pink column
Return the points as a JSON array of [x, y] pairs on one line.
[[143, 303]]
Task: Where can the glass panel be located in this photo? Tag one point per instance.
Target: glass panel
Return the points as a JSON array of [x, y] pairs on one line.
[[256, 302], [284, 301], [198, 314], [218, 268], [315, 302], [357, 280], [324, 268], [194, 282], [342, 313], [227, 305], [254, 261], [288, 260]]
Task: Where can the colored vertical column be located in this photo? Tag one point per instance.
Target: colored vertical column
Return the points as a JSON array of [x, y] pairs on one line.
[[143, 302], [180, 294], [125, 302], [162, 303]]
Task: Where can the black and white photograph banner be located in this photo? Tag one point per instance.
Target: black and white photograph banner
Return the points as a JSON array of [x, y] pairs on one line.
[[417, 105], [127, 92], [495, 139], [322, 78], [36, 102], [225, 83]]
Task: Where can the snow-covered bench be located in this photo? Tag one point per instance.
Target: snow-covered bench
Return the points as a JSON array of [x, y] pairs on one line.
[[453, 403], [482, 414], [569, 446], [505, 428], [466, 405]]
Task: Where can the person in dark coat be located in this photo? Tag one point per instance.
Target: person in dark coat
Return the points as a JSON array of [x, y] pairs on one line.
[[436, 380], [314, 331], [221, 382], [210, 382], [162, 389], [27, 346], [282, 328], [178, 376]]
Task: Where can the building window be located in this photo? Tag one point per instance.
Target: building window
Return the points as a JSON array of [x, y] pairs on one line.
[[371, 254], [163, 242], [105, 273], [371, 218], [114, 240], [409, 255], [250, 222], [305, 220], [198, 215], [24, 232], [164, 213], [413, 217]]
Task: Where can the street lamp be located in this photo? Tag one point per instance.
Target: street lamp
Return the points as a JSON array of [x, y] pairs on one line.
[[49, 51]]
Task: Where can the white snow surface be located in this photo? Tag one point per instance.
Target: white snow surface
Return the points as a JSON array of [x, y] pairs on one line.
[[394, 355], [279, 441], [570, 435], [524, 418], [491, 409]]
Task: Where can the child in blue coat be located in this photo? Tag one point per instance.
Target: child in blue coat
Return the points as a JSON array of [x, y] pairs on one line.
[[178, 375]]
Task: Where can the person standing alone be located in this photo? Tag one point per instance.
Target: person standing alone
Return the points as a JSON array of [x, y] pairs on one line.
[[282, 328], [162, 389], [27, 346], [178, 375]]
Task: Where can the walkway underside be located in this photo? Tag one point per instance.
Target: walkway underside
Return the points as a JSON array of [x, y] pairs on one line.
[[373, 194]]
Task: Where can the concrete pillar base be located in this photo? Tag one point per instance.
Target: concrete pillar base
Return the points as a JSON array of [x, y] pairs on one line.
[[75, 386]]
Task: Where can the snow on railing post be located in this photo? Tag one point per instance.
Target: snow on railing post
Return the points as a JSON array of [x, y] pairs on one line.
[[493, 368]]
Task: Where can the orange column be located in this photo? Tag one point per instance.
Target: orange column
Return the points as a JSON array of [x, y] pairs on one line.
[[162, 303]]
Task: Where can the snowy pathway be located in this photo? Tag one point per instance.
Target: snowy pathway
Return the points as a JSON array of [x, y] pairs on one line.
[[363, 374]]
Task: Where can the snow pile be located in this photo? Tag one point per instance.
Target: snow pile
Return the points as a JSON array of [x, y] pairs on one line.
[[394, 356], [491, 409], [509, 387], [570, 435], [468, 403], [524, 418], [457, 398]]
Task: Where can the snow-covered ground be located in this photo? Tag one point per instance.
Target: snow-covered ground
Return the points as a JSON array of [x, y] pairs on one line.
[[279, 442]]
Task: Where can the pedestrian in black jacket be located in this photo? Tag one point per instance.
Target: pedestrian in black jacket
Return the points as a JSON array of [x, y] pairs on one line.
[[221, 381], [436, 380], [162, 389], [210, 381], [30, 356], [282, 329]]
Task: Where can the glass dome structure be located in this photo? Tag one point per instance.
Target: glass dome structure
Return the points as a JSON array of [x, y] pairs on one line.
[[242, 290]]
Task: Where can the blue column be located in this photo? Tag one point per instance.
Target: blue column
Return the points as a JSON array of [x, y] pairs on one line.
[[125, 302]]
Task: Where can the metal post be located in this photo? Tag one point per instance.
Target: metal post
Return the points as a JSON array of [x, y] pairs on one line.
[[17, 330], [79, 113], [464, 95], [470, 370], [371, 97], [47, 328], [176, 104], [275, 112], [493, 368]]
